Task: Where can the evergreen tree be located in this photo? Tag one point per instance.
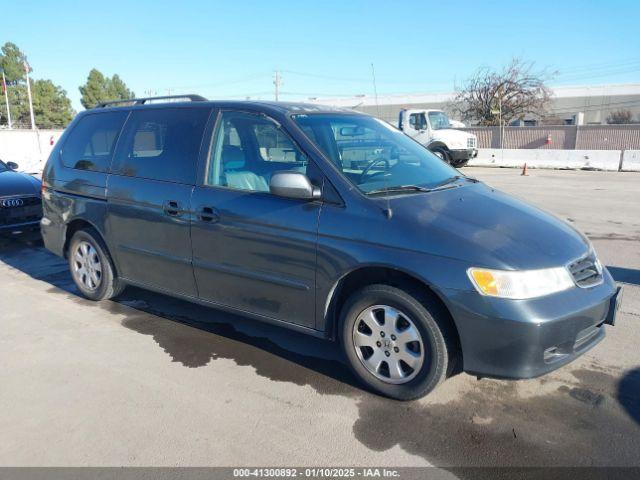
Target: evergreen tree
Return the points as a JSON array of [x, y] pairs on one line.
[[99, 88]]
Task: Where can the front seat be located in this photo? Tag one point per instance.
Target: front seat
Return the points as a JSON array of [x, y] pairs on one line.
[[234, 162]]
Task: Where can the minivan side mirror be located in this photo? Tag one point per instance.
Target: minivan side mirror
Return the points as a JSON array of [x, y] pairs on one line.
[[293, 185], [12, 165]]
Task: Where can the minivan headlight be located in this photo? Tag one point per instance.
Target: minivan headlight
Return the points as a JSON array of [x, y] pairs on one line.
[[520, 284]]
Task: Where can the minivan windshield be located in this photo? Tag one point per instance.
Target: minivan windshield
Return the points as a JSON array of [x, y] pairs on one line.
[[376, 157]]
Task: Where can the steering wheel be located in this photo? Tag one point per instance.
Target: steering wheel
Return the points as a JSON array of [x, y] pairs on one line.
[[368, 168]]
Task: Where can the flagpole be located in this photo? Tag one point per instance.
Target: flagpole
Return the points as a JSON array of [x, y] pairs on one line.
[[26, 70], [6, 99]]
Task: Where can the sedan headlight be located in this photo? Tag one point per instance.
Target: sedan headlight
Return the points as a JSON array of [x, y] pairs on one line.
[[518, 285]]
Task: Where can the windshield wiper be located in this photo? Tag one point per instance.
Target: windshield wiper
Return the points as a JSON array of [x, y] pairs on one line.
[[400, 188], [418, 188], [455, 178]]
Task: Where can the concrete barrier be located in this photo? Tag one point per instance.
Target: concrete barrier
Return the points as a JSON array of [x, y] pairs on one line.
[[631, 161], [574, 159], [28, 148]]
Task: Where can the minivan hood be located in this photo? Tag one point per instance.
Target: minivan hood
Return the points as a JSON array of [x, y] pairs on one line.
[[488, 228], [14, 183]]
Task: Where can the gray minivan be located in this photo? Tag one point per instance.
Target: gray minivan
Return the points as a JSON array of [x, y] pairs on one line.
[[329, 222]]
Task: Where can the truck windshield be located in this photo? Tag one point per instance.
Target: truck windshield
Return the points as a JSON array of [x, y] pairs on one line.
[[439, 120], [376, 157]]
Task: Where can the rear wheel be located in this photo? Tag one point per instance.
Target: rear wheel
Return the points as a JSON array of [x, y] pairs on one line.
[[91, 266], [394, 342]]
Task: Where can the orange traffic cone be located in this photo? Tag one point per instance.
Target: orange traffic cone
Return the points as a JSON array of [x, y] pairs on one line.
[[524, 170]]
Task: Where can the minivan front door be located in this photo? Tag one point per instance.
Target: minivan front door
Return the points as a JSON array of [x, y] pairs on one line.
[[252, 250], [149, 197]]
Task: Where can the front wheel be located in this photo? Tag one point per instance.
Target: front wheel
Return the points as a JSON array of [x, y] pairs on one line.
[[442, 153], [395, 342], [459, 163]]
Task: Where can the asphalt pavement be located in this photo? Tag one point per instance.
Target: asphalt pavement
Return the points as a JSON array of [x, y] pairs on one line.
[[149, 380]]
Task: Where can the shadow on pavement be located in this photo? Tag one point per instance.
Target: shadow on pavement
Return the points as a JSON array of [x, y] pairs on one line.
[[629, 394], [194, 335], [625, 275]]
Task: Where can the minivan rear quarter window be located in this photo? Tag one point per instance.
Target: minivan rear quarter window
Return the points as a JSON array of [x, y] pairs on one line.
[[161, 144], [91, 142]]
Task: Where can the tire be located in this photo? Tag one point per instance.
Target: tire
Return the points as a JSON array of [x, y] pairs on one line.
[[442, 153], [91, 266], [430, 321], [459, 163]]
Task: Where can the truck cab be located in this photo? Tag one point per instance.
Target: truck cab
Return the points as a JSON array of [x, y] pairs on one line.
[[434, 130]]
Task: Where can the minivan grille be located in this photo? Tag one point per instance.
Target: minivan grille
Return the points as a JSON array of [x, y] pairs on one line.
[[29, 210], [586, 271], [471, 142]]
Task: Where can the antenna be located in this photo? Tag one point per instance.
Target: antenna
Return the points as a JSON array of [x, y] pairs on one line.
[[375, 89], [387, 212]]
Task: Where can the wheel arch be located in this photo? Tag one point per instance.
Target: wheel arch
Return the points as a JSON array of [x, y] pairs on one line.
[[72, 227], [372, 274], [437, 144]]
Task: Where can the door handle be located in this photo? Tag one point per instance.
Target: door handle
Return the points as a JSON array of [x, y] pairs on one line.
[[171, 207], [208, 214]]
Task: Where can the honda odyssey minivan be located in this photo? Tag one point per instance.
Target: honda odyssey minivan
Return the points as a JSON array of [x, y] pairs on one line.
[[329, 222]]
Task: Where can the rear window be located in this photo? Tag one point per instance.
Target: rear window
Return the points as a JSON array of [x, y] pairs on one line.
[[162, 144], [90, 144]]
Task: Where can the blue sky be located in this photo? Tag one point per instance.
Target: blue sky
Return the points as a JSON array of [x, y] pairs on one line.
[[224, 49]]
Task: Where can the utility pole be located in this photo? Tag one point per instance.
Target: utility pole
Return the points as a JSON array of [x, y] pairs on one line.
[[6, 99], [277, 81], [26, 71]]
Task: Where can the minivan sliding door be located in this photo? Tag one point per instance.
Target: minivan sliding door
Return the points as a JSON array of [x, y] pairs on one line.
[[149, 196]]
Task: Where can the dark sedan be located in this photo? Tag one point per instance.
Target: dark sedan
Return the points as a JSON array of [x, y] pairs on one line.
[[20, 203]]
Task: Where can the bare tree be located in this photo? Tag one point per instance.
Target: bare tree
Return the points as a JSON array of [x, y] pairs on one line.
[[621, 116], [490, 96]]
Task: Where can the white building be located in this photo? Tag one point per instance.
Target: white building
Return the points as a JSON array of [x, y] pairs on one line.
[[582, 105]]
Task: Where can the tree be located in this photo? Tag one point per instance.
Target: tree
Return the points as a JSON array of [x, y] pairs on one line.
[[509, 94], [99, 88], [118, 89], [620, 117], [12, 61], [51, 106]]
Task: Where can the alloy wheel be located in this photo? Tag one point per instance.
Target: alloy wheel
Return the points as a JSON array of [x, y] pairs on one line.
[[388, 344], [87, 267]]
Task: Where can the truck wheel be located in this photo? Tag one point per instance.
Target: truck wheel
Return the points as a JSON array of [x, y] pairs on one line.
[[460, 163], [394, 343], [442, 153], [91, 266]]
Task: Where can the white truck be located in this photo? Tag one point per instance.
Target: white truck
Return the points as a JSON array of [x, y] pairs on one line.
[[433, 129]]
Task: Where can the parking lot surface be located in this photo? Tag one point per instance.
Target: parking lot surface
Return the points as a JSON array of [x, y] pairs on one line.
[[148, 380]]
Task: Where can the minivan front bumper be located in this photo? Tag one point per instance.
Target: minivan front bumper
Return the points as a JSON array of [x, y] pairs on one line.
[[528, 338]]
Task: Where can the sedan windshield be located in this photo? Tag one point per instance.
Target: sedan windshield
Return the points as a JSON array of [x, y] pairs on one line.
[[3, 167], [376, 157]]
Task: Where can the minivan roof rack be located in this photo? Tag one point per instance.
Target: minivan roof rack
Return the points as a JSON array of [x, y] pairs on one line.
[[143, 101]]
